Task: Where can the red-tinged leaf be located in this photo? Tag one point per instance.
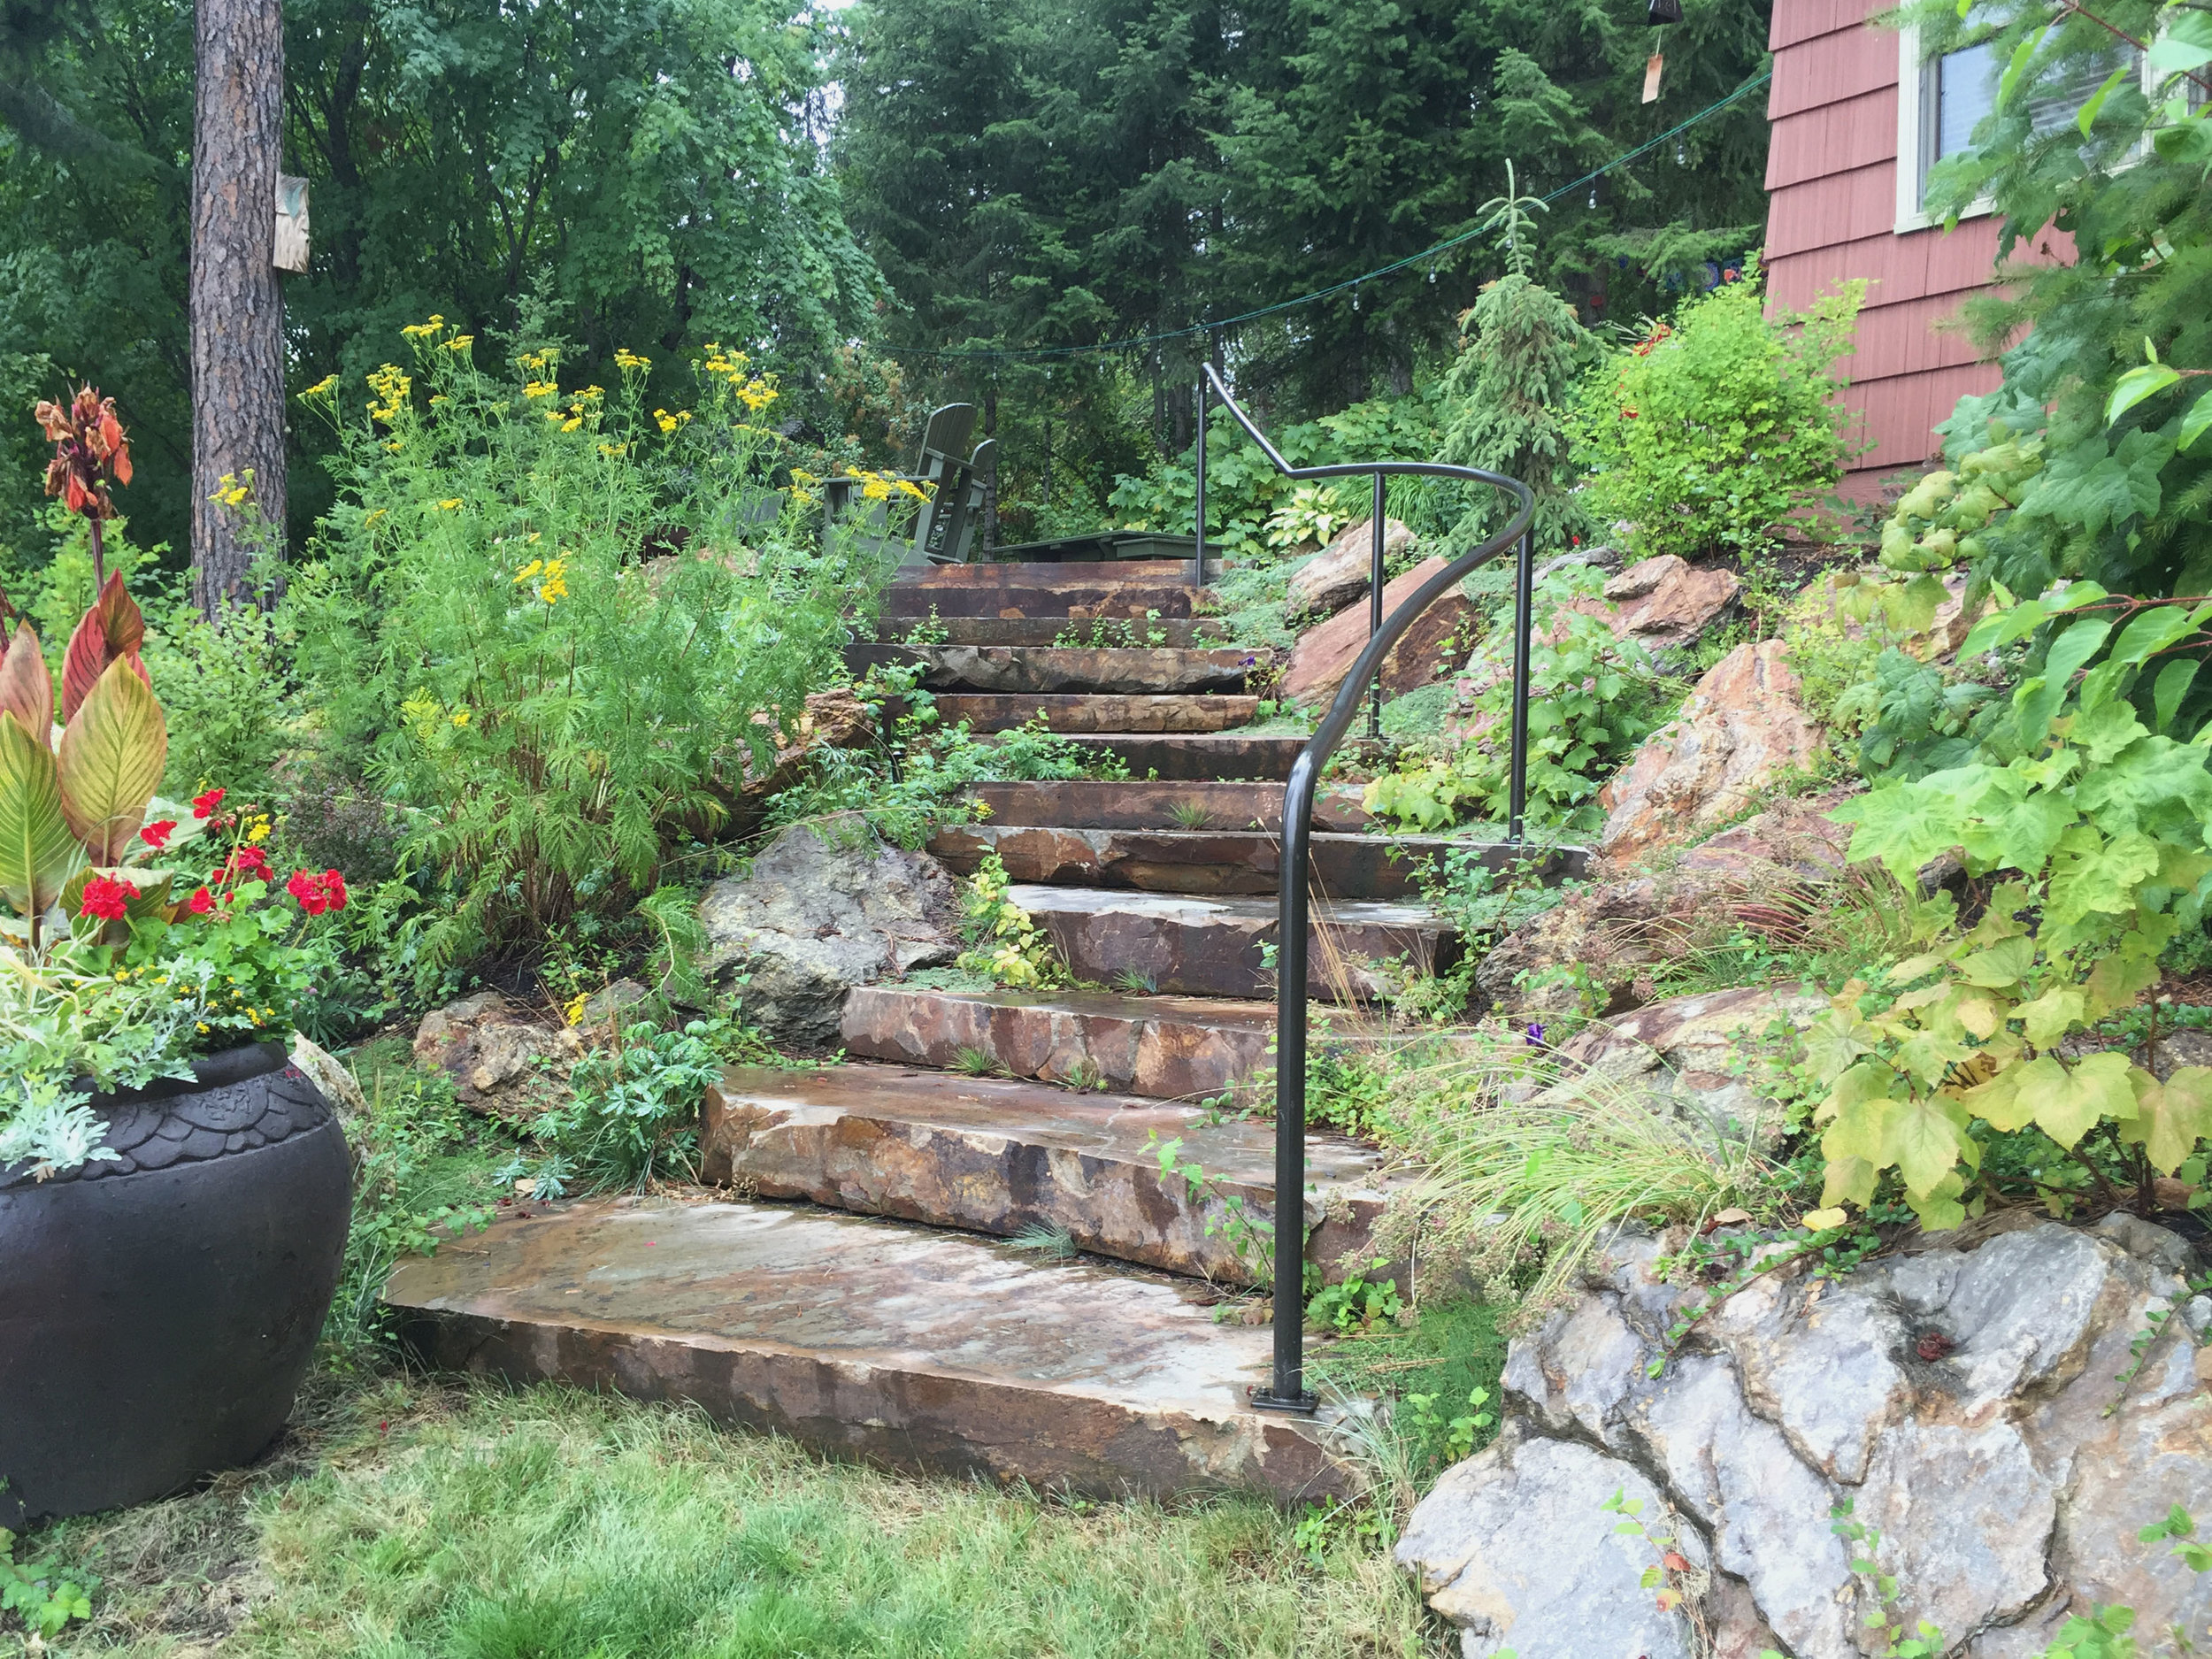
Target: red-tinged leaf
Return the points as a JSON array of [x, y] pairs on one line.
[[111, 429], [123, 464], [26, 690], [112, 756], [114, 628], [1674, 1563]]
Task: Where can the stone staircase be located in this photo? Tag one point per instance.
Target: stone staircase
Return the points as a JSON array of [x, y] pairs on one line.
[[884, 1316]]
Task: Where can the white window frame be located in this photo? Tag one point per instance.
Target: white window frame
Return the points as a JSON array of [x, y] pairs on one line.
[[1912, 102]]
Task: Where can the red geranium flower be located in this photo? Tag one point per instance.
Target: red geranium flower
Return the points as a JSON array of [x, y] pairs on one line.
[[204, 805], [201, 901], [157, 836], [318, 893], [250, 863], [107, 899]]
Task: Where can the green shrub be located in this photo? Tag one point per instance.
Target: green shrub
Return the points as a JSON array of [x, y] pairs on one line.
[[1521, 353], [561, 625], [1711, 432]]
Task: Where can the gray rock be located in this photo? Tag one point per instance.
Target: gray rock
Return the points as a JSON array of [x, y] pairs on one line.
[[818, 915], [1965, 1399], [1516, 1548]]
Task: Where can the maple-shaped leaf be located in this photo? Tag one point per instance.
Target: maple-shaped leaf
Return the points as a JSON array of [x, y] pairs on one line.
[[1924, 1138], [2065, 1103], [1939, 1210], [2052, 1015], [112, 631], [1997, 1103], [2170, 1118], [1847, 1179], [1999, 965]]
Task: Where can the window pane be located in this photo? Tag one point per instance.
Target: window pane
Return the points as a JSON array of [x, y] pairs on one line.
[[2059, 100], [1966, 89]]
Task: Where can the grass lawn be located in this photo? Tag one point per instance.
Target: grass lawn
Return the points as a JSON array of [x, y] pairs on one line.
[[407, 1517]]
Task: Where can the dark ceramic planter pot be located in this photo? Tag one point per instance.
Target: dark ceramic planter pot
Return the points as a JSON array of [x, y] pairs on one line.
[[158, 1312]]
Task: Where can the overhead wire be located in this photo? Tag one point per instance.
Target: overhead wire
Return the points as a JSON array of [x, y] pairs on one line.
[[1426, 256]]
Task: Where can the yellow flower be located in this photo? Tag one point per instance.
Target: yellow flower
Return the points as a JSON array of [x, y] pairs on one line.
[[528, 571], [664, 420], [625, 359], [574, 421], [438, 398], [259, 832], [460, 717], [532, 538], [460, 342], [555, 587], [122, 974], [614, 449], [323, 388], [371, 519], [800, 475], [450, 503], [572, 1010], [203, 1025], [541, 388]]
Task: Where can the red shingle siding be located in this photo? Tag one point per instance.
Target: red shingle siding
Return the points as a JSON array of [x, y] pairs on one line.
[[1832, 173]]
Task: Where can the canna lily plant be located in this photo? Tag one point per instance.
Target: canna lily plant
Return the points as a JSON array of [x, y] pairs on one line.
[[75, 797]]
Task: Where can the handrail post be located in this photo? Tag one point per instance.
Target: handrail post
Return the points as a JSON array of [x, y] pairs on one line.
[[1198, 547], [1524, 604], [1375, 604], [1287, 1383], [1286, 1389]]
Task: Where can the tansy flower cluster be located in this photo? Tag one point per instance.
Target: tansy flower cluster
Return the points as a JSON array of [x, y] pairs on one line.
[[391, 384], [423, 331], [229, 492], [585, 408], [552, 584], [755, 391]]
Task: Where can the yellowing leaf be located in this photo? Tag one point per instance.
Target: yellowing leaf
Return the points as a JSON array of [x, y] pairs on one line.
[[1848, 1180], [2117, 980], [1820, 1220], [1977, 1014], [2052, 1015], [2170, 1118], [1928, 1054], [2066, 1105], [1912, 968], [1939, 1208], [1999, 965], [1924, 1137], [1997, 1103]]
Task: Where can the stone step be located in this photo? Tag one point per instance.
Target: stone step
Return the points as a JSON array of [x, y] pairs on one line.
[[1197, 756], [1128, 588], [1001, 1154], [1097, 711], [1212, 946], [931, 1351], [1050, 668], [1169, 1048], [1089, 803], [1173, 631], [1202, 861]]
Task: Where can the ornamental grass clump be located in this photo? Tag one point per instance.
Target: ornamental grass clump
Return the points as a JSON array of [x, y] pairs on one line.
[[562, 627]]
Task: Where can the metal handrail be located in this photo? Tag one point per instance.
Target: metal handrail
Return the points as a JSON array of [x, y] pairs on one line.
[[1287, 1389]]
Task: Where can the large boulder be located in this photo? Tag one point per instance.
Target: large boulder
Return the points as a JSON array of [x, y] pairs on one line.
[[1423, 653], [1604, 941], [820, 911], [2007, 1406], [1697, 1054], [1340, 571], [1743, 730]]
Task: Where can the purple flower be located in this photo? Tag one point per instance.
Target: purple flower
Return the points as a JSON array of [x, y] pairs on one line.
[[1535, 1034]]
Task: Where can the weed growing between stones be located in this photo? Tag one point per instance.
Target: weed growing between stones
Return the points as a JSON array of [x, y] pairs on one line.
[[1004, 944]]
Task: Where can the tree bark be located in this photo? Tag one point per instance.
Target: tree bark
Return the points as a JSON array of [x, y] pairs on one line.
[[237, 308]]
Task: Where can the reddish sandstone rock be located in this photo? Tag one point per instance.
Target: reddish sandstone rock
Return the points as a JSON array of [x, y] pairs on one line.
[[1742, 730], [1338, 574], [1423, 653]]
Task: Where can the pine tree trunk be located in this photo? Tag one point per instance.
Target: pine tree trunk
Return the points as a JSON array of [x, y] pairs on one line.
[[237, 309]]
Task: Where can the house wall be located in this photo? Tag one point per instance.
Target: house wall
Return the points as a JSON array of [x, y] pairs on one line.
[[1831, 183]]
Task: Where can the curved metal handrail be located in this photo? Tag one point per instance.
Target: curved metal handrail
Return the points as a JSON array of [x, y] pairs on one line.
[[1287, 1390]]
